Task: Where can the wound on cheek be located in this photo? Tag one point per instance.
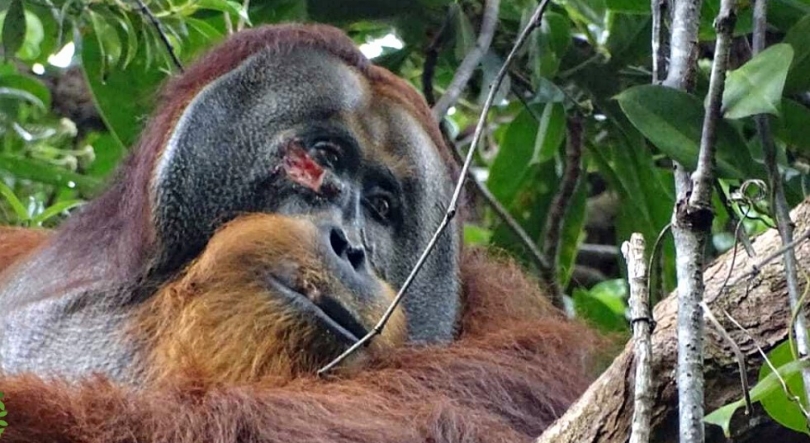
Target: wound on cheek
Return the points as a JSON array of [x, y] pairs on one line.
[[301, 168]]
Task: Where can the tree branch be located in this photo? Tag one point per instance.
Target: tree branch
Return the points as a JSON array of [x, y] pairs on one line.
[[642, 323], [452, 207], [603, 413], [471, 61], [559, 204], [780, 205]]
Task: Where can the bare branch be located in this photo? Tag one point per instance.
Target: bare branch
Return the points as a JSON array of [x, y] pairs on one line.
[[452, 207], [561, 202], [780, 206], [691, 226], [488, 22], [642, 321], [163, 37]]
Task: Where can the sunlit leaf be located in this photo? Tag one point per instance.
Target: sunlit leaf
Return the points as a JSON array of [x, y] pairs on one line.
[[756, 87]]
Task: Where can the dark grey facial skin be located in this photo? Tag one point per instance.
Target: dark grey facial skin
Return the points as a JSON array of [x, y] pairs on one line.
[[224, 158]]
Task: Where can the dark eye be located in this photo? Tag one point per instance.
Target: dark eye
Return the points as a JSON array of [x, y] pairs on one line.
[[381, 205], [326, 153]]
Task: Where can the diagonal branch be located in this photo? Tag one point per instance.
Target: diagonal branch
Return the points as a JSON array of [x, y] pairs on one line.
[[471, 61], [452, 207]]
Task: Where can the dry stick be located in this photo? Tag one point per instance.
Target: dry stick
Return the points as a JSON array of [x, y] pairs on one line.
[[561, 202], [691, 228], [452, 207], [465, 70], [642, 321], [145, 10], [738, 354], [780, 205]]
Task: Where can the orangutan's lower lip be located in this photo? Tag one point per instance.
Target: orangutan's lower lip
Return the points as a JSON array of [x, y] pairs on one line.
[[327, 311]]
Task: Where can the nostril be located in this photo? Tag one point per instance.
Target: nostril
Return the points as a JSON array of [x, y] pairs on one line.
[[343, 249], [339, 242], [356, 257]]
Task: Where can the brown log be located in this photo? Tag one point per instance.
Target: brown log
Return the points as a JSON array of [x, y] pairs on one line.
[[603, 414]]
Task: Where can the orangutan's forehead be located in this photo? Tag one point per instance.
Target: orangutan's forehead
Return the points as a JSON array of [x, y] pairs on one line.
[[272, 92]]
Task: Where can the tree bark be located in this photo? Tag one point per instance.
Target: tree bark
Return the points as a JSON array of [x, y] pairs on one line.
[[603, 414]]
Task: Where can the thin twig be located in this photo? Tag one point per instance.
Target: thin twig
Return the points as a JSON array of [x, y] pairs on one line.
[[780, 205], [785, 388], [642, 321], [452, 207], [560, 203], [162, 34], [778, 253], [738, 354], [655, 262], [540, 260], [471, 61]]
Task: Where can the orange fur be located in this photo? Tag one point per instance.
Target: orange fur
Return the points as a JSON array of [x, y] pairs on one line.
[[515, 367], [221, 322], [16, 243]]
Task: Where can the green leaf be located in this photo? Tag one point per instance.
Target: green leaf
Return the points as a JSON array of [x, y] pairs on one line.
[[3, 413], [767, 386], [756, 87], [55, 210], [600, 309], [550, 133], [30, 88], [228, 6], [464, 34], [791, 126], [123, 96], [775, 402], [45, 173], [799, 38], [514, 157], [15, 203], [652, 109], [475, 235], [14, 28], [551, 43], [108, 41], [132, 38], [629, 6]]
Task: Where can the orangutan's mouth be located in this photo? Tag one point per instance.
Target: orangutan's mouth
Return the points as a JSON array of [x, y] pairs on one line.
[[325, 309]]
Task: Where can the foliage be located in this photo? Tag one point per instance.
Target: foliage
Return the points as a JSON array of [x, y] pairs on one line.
[[589, 56]]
